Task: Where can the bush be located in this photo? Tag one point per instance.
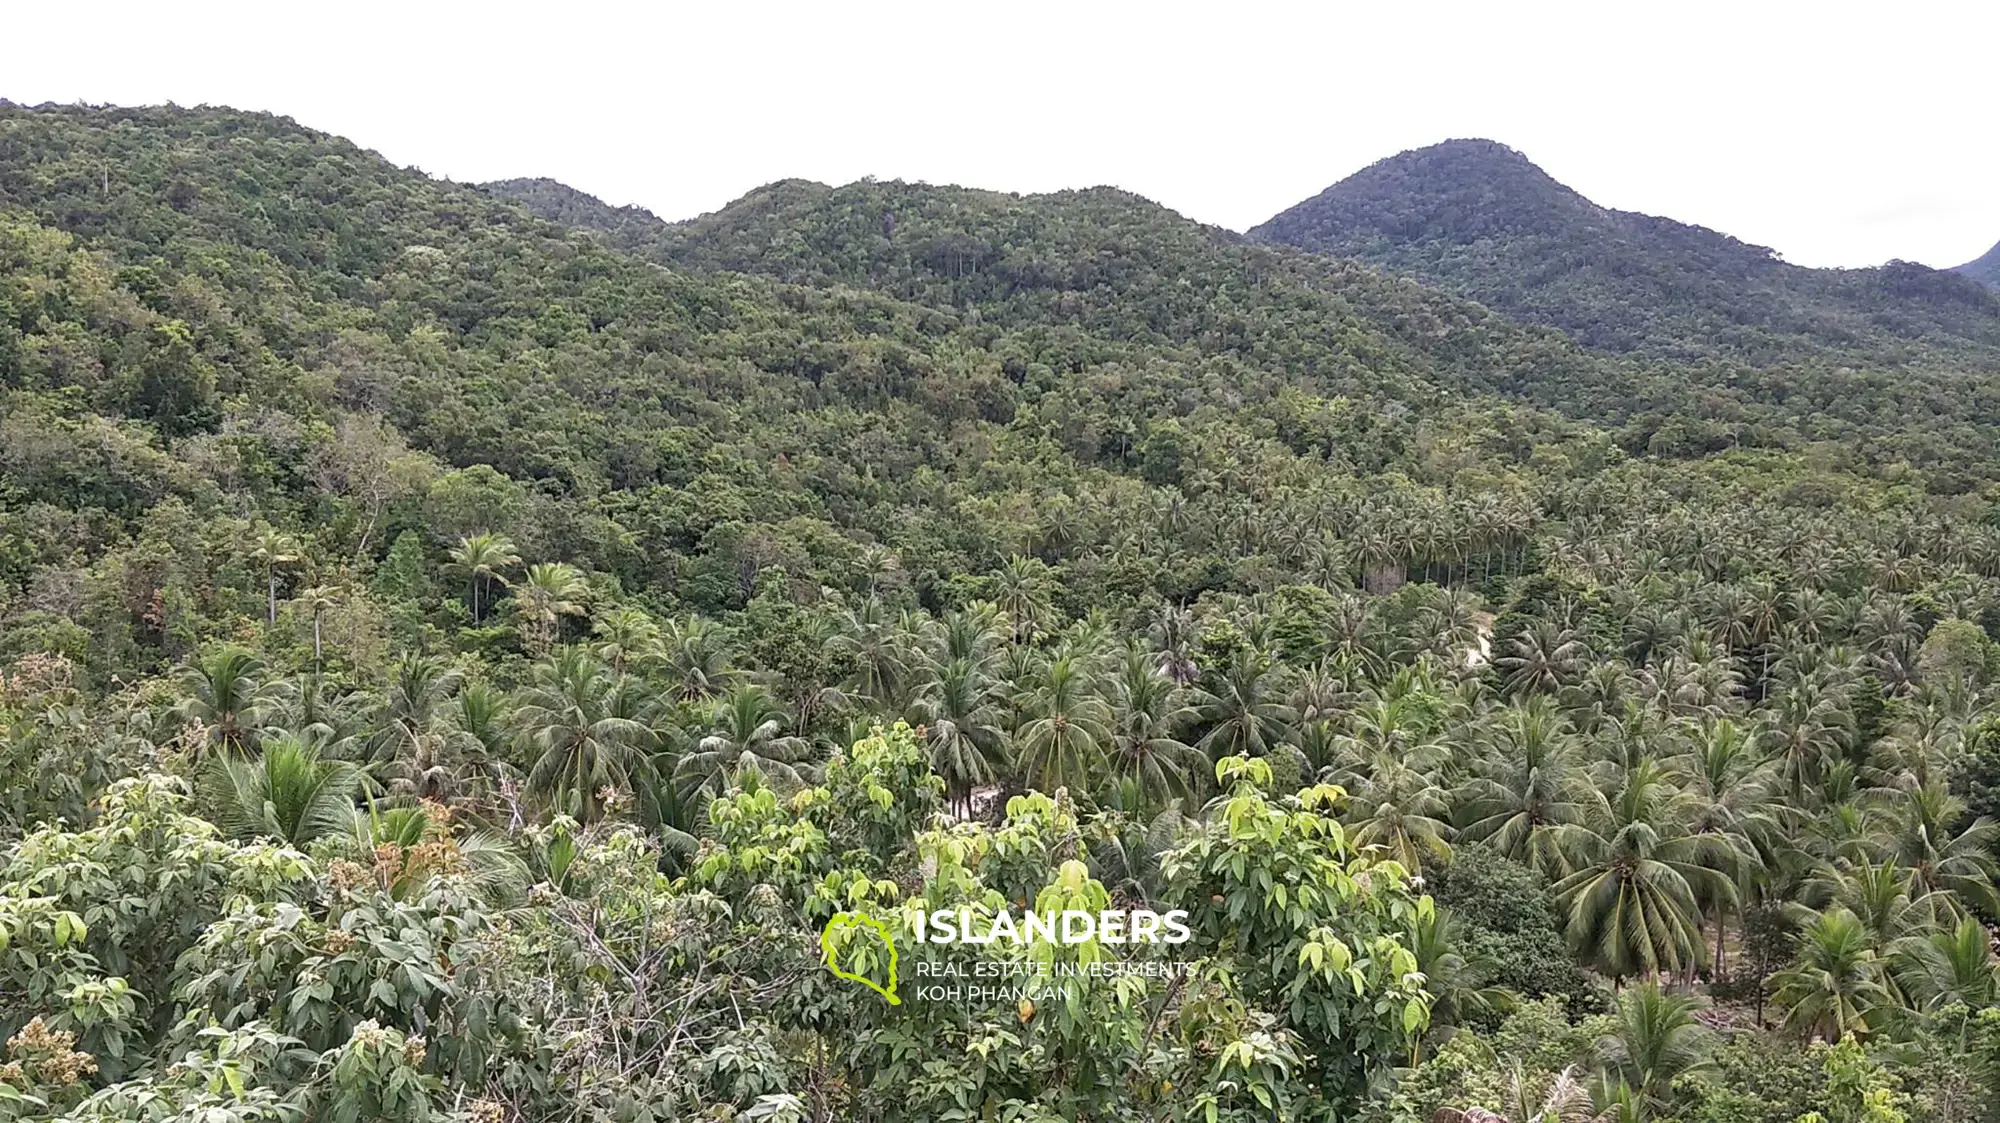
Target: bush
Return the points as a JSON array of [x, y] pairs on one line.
[[1507, 918]]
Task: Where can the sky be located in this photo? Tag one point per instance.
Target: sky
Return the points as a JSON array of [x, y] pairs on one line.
[[1839, 135]]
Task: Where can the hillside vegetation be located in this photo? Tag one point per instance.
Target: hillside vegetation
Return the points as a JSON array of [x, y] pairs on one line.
[[1116, 264], [1986, 270], [459, 648], [1478, 219]]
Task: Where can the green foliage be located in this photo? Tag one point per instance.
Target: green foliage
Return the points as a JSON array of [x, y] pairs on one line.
[[288, 793], [127, 896], [1857, 1090], [1262, 878], [1747, 335], [558, 625], [1527, 1060], [1509, 922], [1755, 1080]]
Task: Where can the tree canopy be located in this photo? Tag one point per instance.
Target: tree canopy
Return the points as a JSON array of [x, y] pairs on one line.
[[459, 648]]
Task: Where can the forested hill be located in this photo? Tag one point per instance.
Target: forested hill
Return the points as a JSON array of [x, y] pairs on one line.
[[457, 666], [1479, 219], [1103, 263], [559, 202], [209, 310], [1110, 264], [1986, 270]]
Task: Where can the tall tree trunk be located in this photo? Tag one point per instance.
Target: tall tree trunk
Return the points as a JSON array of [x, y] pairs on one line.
[[271, 592]]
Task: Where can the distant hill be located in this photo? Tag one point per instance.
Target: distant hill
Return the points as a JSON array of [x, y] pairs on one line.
[[1115, 267], [559, 202], [1481, 220], [1986, 270], [1102, 264]]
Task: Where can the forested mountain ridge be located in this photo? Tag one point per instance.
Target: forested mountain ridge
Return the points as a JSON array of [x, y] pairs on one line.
[[1479, 219], [1112, 263], [1985, 270], [561, 203], [1102, 261], [454, 665], [213, 307]]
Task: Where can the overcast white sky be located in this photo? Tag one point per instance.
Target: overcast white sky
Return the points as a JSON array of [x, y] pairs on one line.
[[1837, 137]]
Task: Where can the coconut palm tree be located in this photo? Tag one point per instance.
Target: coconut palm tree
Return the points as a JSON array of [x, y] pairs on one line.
[[1876, 895], [1543, 659], [1062, 741], [971, 633], [416, 734], [273, 549], [1172, 634], [623, 636], [1633, 906], [1834, 986], [1733, 782], [549, 592], [1656, 1040], [1356, 635], [1456, 982], [1128, 858], [288, 793], [869, 640], [318, 599], [1396, 805], [1243, 704], [313, 710], [428, 846], [1021, 589], [576, 727], [1920, 832], [746, 732], [1528, 795], [693, 654], [1677, 686], [228, 697], [673, 815], [1948, 967], [958, 706], [1396, 721], [1448, 626], [1810, 725], [1566, 1100], [482, 726], [1146, 712], [1328, 689], [482, 557], [1732, 785]]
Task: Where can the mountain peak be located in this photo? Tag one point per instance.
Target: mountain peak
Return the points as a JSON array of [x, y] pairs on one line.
[[1481, 220], [1469, 157], [1459, 190]]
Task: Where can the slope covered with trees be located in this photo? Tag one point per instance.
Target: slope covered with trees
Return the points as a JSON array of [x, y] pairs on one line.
[[559, 202], [453, 664], [1986, 270], [1112, 263], [1478, 219]]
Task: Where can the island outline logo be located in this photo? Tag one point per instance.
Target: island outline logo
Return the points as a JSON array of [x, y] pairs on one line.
[[843, 920]]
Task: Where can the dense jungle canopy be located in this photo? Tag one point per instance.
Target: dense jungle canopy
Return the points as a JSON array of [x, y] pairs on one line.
[[460, 645]]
